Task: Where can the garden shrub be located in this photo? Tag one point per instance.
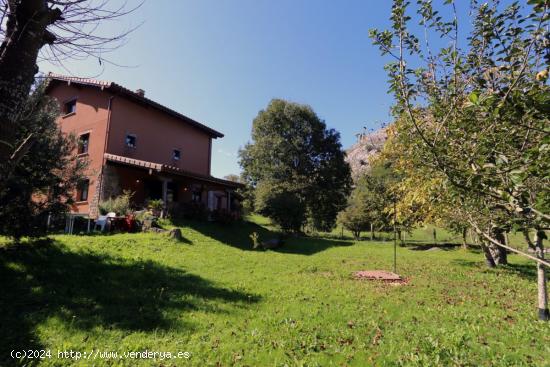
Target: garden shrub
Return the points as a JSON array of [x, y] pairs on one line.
[[191, 210], [119, 205], [282, 204], [224, 216], [155, 204]]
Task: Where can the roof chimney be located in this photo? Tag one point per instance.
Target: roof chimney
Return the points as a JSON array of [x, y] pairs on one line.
[[140, 92]]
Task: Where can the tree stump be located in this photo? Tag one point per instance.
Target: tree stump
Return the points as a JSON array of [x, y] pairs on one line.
[[176, 234], [147, 225]]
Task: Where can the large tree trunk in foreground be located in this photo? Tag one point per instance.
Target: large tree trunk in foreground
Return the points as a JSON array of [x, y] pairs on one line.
[[25, 35], [544, 314]]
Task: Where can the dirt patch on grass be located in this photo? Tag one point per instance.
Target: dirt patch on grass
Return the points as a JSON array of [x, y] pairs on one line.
[[380, 275], [435, 246]]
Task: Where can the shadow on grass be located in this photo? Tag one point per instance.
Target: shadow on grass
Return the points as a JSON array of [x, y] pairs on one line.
[[238, 235], [182, 239], [84, 291], [310, 245], [527, 271], [161, 230], [475, 249], [418, 246]]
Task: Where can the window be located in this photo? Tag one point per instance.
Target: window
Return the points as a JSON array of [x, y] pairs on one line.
[[176, 155], [82, 190], [83, 143], [70, 106], [131, 141]]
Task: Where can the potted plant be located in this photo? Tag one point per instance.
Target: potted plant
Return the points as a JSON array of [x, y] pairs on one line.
[[155, 206]]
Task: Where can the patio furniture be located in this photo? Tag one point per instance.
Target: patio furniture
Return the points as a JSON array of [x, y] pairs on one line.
[[103, 220], [70, 221]]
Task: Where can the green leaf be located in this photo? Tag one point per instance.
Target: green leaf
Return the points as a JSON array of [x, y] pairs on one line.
[[473, 97], [517, 176]]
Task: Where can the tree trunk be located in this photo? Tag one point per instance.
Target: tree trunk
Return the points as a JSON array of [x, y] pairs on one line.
[[544, 314], [372, 232], [435, 236], [488, 255], [525, 232], [25, 35], [464, 239], [499, 253], [473, 236]]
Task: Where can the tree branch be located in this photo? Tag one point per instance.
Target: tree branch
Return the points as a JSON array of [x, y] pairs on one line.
[[495, 242]]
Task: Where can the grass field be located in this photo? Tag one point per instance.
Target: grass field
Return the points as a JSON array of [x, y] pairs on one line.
[[225, 304]]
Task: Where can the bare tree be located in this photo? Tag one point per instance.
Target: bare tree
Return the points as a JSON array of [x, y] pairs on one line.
[[233, 177], [55, 30]]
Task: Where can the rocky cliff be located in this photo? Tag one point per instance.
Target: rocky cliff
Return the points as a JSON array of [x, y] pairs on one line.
[[367, 145]]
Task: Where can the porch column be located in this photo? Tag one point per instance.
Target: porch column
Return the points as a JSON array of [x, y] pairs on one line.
[[164, 196], [210, 196], [228, 200], [205, 198]]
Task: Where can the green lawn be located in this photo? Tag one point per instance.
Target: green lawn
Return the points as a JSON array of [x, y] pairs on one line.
[[214, 297]]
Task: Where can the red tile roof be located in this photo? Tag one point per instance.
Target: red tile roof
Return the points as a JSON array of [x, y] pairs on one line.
[[159, 167], [119, 89]]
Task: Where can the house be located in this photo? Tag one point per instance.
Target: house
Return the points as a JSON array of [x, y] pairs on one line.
[[133, 143]]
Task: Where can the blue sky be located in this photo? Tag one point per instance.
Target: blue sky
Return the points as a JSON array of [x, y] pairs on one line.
[[220, 62]]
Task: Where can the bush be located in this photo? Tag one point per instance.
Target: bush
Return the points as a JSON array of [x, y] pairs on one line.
[[281, 204], [143, 215], [368, 202], [191, 210], [119, 205], [155, 205], [355, 219], [224, 216]]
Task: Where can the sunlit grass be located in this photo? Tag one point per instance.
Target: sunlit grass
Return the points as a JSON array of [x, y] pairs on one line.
[[213, 296]]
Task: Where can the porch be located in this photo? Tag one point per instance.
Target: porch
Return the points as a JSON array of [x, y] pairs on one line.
[[153, 181]]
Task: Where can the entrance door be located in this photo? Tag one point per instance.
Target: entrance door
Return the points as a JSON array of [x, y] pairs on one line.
[[172, 192], [153, 189]]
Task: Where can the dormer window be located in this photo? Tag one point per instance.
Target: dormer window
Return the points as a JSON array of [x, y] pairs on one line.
[[130, 141], [176, 154], [70, 107]]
